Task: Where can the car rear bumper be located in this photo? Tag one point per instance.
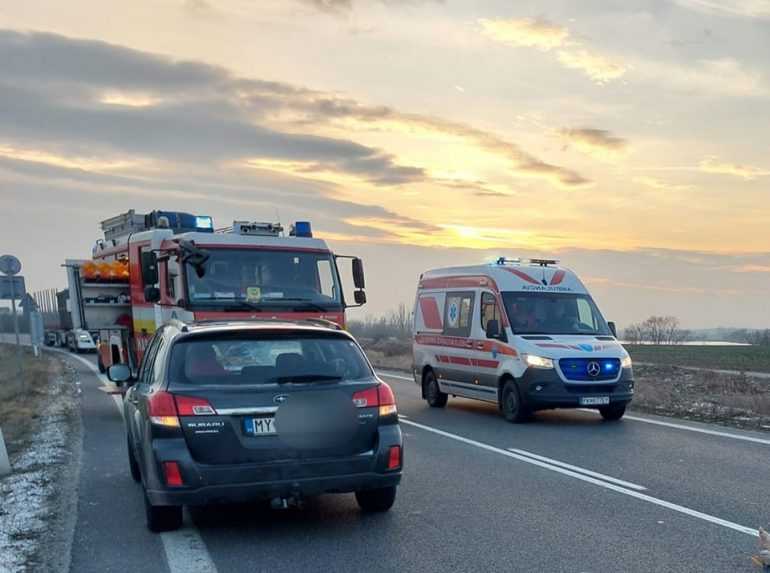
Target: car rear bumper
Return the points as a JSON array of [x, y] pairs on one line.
[[243, 492], [221, 483], [543, 389]]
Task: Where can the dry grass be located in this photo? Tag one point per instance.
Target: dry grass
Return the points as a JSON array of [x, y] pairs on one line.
[[735, 400], [23, 401]]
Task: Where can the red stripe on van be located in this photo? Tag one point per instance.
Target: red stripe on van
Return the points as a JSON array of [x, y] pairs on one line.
[[557, 278], [430, 313], [459, 342]]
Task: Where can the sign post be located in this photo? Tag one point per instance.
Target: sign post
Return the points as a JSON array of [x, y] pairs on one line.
[[13, 286], [11, 266], [5, 464]]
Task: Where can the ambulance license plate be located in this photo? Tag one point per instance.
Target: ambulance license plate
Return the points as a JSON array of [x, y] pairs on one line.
[[264, 426], [594, 401]]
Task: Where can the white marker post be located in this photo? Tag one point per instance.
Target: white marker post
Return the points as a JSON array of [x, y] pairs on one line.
[[5, 464]]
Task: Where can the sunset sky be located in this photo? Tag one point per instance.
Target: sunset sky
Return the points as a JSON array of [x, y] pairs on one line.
[[630, 139]]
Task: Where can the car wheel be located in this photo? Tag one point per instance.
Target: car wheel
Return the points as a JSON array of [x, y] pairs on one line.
[[162, 517], [433, 394], [613, 412], [511, 406], [376, 500], [133, 465]]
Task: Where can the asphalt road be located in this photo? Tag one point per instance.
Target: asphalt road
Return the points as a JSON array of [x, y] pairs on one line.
[[679, 497]]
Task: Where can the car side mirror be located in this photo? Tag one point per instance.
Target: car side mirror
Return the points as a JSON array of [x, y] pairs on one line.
[[358, 273], [151, 294], [493, 328], [119, 373], [149, 268], [613, 329], [360, 297]]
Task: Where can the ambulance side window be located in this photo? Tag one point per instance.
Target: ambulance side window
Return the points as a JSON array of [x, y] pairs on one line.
[[458, 310], [489, 310]]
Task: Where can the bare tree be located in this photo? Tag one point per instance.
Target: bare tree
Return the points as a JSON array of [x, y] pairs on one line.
[[663, 330], [634, 333]]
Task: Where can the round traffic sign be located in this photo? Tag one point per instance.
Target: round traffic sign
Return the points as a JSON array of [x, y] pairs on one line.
[[9, 265]]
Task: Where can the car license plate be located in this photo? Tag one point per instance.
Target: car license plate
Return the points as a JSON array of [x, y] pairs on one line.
[[595, 401], [259, 426]]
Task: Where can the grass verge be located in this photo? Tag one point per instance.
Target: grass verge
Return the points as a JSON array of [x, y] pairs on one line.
[[741, 358]]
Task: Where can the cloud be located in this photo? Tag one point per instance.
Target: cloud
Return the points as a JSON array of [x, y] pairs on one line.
[[342, 6], [599, 68], [526, 32], [67, 92], [547, 36], [597, 142], [755, 9], [659, 185], [723, 77], [747, 172]]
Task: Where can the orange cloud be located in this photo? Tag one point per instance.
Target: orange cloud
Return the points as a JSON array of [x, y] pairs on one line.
[[748, 172]]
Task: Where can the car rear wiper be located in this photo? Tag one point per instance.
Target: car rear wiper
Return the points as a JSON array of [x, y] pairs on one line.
[[305, 378]]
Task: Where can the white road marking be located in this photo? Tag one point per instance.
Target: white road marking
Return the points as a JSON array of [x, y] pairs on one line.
[[185, 549], [616, 488], [578, 469], [396, 376], [186, 552], [699, 430], [719, 433]]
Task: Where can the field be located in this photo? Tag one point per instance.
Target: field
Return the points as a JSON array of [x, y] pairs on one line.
[[741, 358], [22, 401]]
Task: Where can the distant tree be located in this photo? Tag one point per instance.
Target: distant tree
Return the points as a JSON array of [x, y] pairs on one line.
[[664, 330], [634, 333]]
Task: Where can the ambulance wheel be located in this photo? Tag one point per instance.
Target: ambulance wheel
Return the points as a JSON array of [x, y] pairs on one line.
[[613, 412], [433, 394], [510, 404]]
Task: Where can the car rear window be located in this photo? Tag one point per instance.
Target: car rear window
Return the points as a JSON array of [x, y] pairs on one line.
[[260, 359]]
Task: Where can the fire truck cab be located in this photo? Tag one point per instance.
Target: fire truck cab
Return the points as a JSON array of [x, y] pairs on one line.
[[178, 266], [525, 335]]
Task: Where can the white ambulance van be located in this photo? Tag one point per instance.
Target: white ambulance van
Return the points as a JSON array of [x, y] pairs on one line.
[[525, 335]]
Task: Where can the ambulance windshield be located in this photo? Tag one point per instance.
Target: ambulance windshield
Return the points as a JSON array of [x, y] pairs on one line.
[[265, 278], [553, 313]]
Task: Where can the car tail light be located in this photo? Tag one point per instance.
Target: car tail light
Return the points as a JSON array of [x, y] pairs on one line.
[[172, 473], [162, 409], [394, 458], [387, 400], [366, 398], [380, 395], [189, 406]]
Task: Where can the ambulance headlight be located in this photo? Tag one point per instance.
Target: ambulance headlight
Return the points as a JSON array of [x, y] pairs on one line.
[[538, 361], [626, 362]]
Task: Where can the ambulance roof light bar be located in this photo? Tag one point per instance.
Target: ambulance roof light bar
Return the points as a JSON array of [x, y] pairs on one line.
[[538, 262], [543, 262]]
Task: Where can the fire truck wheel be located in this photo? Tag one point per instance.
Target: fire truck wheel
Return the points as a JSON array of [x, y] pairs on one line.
[[136, 473], [433, 394]]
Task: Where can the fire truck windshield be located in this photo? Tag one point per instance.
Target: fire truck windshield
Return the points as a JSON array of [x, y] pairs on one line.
[[269, 278]]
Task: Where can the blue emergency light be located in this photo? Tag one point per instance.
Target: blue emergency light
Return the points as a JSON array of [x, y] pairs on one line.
[[302, 229], [204, 223]]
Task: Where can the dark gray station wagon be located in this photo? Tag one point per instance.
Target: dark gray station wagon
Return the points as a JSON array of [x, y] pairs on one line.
[[228, 412]]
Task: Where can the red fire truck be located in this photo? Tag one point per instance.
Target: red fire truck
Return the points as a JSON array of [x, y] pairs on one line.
[[150, 268]]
